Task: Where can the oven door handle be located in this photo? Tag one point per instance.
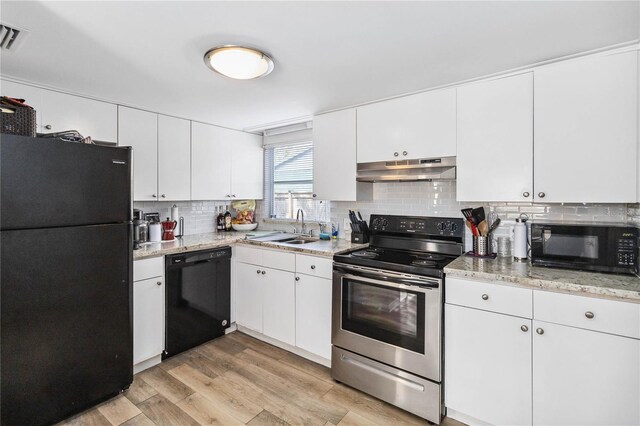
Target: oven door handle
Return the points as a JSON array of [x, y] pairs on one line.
[[396, 283], [386, 278]]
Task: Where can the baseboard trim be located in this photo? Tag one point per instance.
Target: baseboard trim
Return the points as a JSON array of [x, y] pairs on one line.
[[141, 366]]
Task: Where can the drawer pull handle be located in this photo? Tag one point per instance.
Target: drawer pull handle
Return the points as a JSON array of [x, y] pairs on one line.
[[589, 314], [539, 331], [485, 297], [313, 266], [524, 328]]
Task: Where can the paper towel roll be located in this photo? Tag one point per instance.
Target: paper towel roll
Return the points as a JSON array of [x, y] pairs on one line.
[[174, 213]]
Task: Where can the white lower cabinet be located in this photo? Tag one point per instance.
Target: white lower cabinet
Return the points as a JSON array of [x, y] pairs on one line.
[[148, 319], [504, 369], [584, 377], [488, 365], [148, 312], [249, 294], [313, 314], [279, 301]]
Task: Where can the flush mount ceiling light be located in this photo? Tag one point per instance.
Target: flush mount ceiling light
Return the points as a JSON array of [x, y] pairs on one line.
[[241, 63]]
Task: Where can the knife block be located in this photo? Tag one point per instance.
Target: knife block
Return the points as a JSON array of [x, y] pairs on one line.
[[359, 238]]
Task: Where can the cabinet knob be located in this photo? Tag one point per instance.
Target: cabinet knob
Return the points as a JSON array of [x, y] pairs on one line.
[[234, 195], [404, 152], [524, 328], [159, 283], [313, 266], [315, 195], [589, 314], [163, 196], [48, 127], [485, 297], [258, 271], [228, 196], [539, 331], [541, 194], [154, 195], [297, 278], [525, 194], [395, 154], [264, 272]]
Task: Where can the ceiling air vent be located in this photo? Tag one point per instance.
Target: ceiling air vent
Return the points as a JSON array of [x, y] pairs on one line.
[[10, 37]]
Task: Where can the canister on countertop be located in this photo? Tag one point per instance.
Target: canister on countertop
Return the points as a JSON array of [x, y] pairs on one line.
[[520, 238]]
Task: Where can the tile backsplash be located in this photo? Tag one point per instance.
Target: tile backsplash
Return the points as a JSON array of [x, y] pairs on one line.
[[407, 198]]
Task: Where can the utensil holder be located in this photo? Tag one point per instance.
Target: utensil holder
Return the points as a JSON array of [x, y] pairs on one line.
[[21, 122], [481, 245], [359, 238]]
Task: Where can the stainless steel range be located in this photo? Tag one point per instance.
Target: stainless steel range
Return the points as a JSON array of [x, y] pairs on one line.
[[387, 311]]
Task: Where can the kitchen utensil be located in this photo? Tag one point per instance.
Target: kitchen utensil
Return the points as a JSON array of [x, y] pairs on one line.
[[478, 215], [494, 225], [520, 239], [483, 228], [466, 213], [167, 229]]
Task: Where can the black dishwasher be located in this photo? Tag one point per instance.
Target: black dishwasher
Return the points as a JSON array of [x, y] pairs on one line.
[[198, 298]]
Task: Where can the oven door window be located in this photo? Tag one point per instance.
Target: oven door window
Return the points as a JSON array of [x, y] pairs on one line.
[[387, 314]]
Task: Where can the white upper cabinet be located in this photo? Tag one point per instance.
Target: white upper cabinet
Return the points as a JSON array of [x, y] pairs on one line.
[[586, 130], [174, 158], [89, 117], [210, 163], [57, 112], [247, 165], [139, 130], [225, 164], [416, 126], [334, 144], [495, 140]]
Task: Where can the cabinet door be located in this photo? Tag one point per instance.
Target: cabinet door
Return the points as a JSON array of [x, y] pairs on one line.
[[32, 96], [583, 377], [495, 140], [334, 156], [148, 319], [416, 126], [89, 117], [247, 165], [488, 365], [313, 315], [586, 130], [279, 317], [249, 287], [139, 130], [210, 163], [174, 158]]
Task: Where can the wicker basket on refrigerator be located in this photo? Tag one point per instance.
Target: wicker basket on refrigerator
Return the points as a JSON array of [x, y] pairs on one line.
[[16, 118]]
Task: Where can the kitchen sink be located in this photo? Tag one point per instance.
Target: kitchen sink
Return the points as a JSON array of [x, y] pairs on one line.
[[298, 241]]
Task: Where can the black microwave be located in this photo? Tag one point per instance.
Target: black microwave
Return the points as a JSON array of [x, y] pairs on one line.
[[600, 248]]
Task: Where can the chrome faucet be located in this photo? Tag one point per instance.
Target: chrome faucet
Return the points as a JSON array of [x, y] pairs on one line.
[[300, 214]]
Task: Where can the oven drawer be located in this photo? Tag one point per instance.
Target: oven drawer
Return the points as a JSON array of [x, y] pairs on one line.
[[312, 265], [608, 316], [412, 393], [502, 299]]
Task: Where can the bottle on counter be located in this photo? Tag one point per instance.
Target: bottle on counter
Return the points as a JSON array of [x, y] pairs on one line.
[[227, 219], [220, 220]]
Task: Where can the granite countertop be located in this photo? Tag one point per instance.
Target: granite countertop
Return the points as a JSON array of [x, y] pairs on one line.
[[523, 274], [214, 239]]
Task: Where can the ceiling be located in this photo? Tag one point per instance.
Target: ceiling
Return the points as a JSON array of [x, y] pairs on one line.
[[327, 55]]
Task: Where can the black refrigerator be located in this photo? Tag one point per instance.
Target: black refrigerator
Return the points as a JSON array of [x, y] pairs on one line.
[[66, 334]]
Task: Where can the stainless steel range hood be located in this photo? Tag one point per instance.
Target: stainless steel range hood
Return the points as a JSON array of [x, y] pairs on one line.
[[426, 169]]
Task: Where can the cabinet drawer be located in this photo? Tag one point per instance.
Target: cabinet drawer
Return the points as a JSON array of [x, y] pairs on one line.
[[489, 297], [246, 254], [312, 265], [148, 268], [608, 316], [277, 259]]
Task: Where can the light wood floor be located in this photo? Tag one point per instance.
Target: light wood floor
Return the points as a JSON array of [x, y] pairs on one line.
[[237, 380]]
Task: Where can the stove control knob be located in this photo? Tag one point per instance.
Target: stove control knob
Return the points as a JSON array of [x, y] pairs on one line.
[[454, 227], [375, 222], [441, 226]]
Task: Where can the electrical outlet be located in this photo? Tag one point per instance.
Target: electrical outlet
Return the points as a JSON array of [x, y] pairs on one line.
[[347, 225]]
